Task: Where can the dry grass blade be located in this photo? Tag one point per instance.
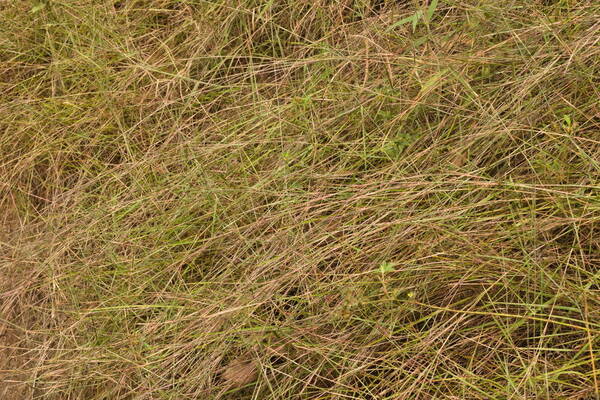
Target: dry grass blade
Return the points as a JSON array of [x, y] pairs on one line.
[[365, 199]]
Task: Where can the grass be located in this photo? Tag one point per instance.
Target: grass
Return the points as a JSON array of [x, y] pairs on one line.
[[339, 199]]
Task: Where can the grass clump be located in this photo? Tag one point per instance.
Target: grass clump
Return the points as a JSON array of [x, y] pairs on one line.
[[300, 200]]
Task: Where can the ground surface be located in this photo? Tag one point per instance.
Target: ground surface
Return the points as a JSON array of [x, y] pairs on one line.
[[334, 199]]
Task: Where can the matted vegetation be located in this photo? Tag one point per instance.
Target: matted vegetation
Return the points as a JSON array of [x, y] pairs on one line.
[[329, 199]]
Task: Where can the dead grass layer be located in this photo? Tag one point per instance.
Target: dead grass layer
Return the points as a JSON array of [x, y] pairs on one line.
[[335, 199]]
